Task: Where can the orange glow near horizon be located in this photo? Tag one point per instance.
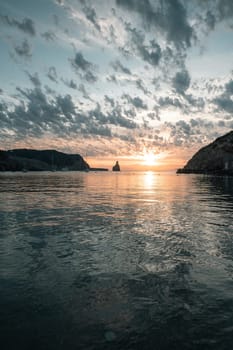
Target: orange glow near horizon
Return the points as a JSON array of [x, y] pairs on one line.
[[145, 160], [138, 163]]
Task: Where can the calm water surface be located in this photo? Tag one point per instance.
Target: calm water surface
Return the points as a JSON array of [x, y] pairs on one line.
[[116, 261]]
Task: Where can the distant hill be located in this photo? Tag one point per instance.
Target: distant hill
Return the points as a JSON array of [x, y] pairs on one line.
[[34, 160], [216, 158]]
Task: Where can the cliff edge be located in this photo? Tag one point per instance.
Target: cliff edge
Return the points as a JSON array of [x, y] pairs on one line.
[[36, 160], [216, 158]]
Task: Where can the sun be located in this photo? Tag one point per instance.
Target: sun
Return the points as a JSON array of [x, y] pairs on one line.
[[149, 159]]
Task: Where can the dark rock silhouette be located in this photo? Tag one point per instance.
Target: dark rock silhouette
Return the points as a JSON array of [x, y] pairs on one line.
[[116, 167], [35, 160], [216, 158], [98, 169]]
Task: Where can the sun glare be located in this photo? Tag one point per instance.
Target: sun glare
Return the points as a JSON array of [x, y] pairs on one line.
[[149, 159]]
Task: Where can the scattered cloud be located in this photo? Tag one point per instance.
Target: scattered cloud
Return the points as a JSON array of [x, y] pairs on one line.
[[34, 79], [24, 50], [84, 92], [26, 25], [83, 68], [141, 86], [49, 35], [225, 100], [181, 81], [118, 67], [170, 101], [150, 52], [70, 83], [137, 102], [80, 63], [139, 72], [91, 15], [169, 17], [109, 100], [52, 74]]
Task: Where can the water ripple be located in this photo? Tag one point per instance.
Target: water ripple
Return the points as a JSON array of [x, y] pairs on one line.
[[124, 261]]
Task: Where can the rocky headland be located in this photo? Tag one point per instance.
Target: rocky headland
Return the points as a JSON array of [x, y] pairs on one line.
[[41, 160], [215, 158]]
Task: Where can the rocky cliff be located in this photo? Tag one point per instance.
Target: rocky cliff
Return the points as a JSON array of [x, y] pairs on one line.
[[216, 158], [34, 160]]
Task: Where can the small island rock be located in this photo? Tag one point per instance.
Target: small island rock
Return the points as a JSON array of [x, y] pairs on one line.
[[116, 167]]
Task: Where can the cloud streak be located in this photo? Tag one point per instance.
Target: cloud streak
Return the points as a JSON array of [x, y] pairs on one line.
[[26, 25], [83, 68]]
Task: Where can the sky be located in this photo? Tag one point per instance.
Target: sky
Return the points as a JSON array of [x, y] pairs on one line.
[[144, 82]]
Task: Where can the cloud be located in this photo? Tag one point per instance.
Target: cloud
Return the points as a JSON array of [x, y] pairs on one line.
[[181, 81], [84, 92], [112, 78], [229, 87], [91, 16], [39, 113], [151, 52], [187, 133], [70, 83], [225, 101], [210, 20], [52, 74], [109, 100], [83, 68], [140, 86], [24, 50], [178, 29], [187, 103], [153, 115], [80, 63], [118, 67], [114, 117], [170, 101], [137, 102], [90, 77], [197, 102], [4, 118], [65, 105], [210, 13], [27, 25], [117, 118], [225, 8], [184, 127], [49, 35], [169, 17], [140, 46], [34, 79], [131, 113]]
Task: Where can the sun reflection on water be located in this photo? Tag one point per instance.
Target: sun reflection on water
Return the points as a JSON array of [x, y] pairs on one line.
[[149, 179]]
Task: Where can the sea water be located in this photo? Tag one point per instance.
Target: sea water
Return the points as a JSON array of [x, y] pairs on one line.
[[116, 261]]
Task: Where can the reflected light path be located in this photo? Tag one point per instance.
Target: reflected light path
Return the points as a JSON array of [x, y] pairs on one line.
[[116, 260]]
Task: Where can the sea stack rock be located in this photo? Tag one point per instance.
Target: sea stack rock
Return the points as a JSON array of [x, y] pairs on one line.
[[116, 167], [216, 158]]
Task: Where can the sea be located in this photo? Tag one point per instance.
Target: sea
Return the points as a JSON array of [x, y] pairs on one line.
[[122, 261]]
